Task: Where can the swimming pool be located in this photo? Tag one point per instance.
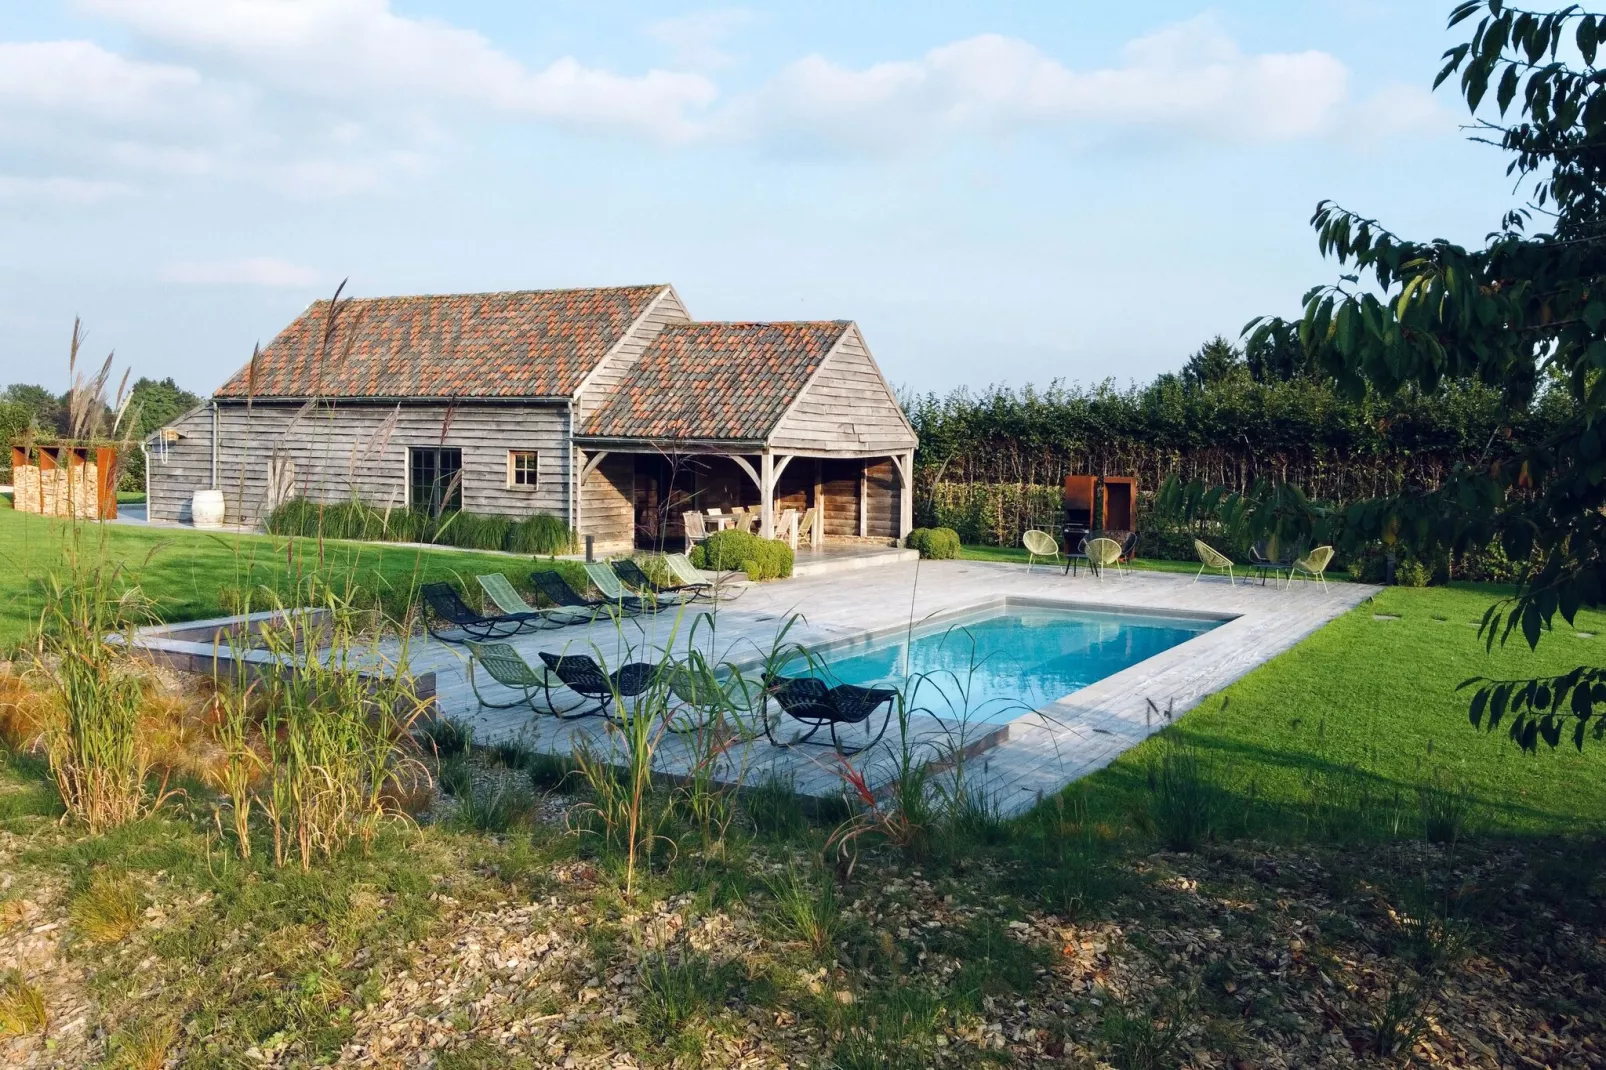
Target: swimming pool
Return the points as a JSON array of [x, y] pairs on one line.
[[1001, 663]]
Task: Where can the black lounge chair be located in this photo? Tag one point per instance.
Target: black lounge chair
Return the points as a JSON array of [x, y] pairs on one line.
[[1268, 556], [551, 583], [448, 607], [633, 575], [814, 703], [581, 674], [508, 668]]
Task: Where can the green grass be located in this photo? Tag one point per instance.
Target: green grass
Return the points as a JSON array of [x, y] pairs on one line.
[[1364, 715], [1016, 555], [192, 574]]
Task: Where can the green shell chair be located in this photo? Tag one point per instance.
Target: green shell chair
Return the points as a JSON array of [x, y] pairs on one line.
[[1315, 563], [1210, 557], [1103, 553], [1039, 544]]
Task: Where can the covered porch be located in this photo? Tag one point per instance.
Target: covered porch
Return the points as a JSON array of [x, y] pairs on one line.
[[635, 494]]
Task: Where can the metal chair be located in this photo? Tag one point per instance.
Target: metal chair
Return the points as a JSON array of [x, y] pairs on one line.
[[503, 595], [1102, 553], [1039, 544], [812, 702], [581, 674], [508, 668], [1210, 557], [1314, 564], [448, 606]]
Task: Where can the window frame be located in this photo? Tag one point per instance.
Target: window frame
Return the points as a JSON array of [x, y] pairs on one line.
[[513, 482], [414, 455]]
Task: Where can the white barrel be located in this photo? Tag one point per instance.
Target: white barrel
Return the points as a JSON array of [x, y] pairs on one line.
[[206, 509]]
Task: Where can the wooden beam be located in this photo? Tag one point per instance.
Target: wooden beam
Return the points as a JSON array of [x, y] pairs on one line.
[[591, 465], [745, 466], [766, 496], [781, 467], [864, 498]]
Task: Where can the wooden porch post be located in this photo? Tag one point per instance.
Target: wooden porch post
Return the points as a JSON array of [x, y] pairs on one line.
[[817, 536], [906, 495], [766, 495], [864, 498]]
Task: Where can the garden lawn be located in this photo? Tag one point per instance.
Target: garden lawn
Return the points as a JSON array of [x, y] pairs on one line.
[[193, 574], [1337, 737], [1018, 555]]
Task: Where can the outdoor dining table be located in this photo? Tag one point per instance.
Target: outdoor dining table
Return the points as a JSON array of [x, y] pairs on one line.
[[721, 521]]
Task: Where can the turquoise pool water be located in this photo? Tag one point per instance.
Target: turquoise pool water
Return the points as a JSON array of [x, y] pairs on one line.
[[999, 666]]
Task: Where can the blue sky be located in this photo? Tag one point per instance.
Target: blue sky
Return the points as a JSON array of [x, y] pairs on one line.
[[999, 192]]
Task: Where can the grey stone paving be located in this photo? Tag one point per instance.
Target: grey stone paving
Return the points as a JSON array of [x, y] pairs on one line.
[[1042, 752]]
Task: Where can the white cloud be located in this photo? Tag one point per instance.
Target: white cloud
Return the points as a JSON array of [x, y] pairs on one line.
[[361, 54], [81, 78], [1187, 78], [250, 271], [697, 41], [61, 189]]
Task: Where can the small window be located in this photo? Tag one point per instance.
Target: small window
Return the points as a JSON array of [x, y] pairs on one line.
[[435, 479], [523, 468]]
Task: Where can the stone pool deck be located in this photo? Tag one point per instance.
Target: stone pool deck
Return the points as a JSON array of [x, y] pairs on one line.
[[1040, 753]]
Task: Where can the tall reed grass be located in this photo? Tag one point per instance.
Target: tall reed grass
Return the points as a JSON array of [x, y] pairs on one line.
[[90, 725], [317, 746]]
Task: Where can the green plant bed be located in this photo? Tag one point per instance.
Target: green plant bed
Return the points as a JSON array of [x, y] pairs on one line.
[[1360, 727], [192, 574]]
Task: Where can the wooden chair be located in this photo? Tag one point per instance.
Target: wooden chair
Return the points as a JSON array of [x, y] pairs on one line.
[[1039, 544], [1210, 557], [786, 527], [809, 529], [696, 528]]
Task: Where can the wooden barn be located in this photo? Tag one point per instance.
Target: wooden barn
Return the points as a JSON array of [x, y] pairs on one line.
[[610, 408]]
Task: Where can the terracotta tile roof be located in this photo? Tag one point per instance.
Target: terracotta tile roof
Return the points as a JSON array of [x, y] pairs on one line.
[[531, 343], [715, 380]]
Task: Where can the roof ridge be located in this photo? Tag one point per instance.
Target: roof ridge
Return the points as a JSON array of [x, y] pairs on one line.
[[503, 293]]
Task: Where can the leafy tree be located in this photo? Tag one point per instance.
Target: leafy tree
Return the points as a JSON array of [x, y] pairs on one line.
[[46, 410], [1217, 363], [152, 404], [1278, 356], [1523, 313]]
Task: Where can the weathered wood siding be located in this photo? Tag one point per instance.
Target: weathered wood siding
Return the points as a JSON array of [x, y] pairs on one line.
[[839, 484], [847, 407], [186, 469], [605, 377], [341, 451], [882, 506], [607, 504]]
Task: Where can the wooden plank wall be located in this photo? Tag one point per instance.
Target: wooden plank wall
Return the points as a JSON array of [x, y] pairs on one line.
[[882, 506], [605, 377], [847, 407], [343, 451], [840, 485], [607, 505], [186, 469]]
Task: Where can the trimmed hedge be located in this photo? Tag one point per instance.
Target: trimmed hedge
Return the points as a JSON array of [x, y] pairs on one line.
[[732, 550], [539, 534], [938, 544]]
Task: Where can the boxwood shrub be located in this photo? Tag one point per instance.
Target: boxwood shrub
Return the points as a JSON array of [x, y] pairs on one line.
[[939, 544], [732, 550]]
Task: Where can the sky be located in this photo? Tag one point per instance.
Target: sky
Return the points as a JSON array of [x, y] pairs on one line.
[[1000, 192]]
